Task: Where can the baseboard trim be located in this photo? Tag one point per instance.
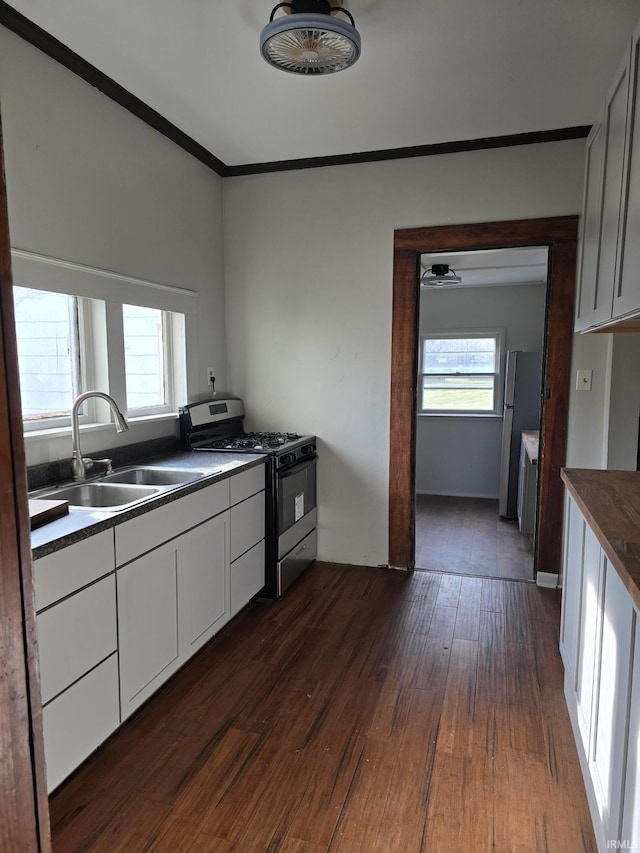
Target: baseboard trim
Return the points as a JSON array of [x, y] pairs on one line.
[[458, 495], [547, 580]]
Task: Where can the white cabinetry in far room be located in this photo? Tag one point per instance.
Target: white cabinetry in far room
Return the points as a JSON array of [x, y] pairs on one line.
[[599, 647]]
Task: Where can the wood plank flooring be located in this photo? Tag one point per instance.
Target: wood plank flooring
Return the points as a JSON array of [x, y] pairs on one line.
[[370, 710], [467, 536]]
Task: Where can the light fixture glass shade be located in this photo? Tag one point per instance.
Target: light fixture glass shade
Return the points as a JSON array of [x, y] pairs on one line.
[[310, 44], [439, 275]]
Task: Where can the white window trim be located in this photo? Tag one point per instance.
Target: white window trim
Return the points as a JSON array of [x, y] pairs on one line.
[[112, 289], [438, 334]]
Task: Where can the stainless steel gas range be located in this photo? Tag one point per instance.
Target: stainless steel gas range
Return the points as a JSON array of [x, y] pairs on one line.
[[291, 510]]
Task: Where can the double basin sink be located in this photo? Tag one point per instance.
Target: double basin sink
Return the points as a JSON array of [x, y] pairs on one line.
[[125, 488]]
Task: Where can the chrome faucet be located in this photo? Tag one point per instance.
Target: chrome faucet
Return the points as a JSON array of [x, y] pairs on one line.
[[81, 464]]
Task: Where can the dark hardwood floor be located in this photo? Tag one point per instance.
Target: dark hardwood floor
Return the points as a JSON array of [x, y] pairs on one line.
[[370, 710], [467, 536]]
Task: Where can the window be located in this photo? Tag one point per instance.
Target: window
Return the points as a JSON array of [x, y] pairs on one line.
[[48, 352], [144, 357], [460, 373], [81, 328]]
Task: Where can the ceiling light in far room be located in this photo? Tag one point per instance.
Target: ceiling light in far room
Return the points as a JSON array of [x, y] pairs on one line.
[[309, 38], [439, 275]]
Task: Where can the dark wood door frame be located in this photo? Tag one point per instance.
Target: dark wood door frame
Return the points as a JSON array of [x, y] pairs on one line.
[[559, 234], [24, 814]]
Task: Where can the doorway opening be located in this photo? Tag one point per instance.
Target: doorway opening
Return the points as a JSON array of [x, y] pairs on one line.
[[558, 235], [481, 337]]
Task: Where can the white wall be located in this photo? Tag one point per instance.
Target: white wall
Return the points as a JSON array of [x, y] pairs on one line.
[[461, 455], [624, 406], [89, 183], [308, 258]]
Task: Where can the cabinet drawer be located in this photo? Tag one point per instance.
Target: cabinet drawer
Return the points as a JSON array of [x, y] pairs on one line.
[[79, 720], [247, 577], [247, 525], [141, 534], [75, 635], [247, 483], [58, 575]]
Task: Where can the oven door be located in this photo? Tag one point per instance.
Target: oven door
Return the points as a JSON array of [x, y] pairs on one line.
[[296, 504]]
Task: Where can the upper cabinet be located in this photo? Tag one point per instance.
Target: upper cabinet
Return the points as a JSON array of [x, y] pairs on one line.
[[609, 288], [626, 297]]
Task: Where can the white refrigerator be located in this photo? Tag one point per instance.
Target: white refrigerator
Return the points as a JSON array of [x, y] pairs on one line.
[[522, 401]]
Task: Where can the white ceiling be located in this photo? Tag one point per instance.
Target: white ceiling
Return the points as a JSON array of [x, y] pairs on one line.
[[430, 72], [492, 267]]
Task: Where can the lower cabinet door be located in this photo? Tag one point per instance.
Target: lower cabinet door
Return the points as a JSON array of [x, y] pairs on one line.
[[203, 585], [79, 720], [147, 624], [247, 577], [630, 833], [590, 601], [609, 740], [574, 526]]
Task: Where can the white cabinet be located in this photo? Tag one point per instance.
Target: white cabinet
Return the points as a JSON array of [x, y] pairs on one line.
[[90, 615], [600, 650], [592, 305], [631, 805], [610, 715], [527, 491], [148, 624], [615, 122], [590, 595], [626, 297], [247, 521], [609, 284], [65, 571], [247, 577], [77, 642], [147, 531], [79, 720], [203, 583], [121, 611]]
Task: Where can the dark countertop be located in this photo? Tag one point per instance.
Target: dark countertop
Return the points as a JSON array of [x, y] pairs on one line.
[[81, 523], [610, 502]]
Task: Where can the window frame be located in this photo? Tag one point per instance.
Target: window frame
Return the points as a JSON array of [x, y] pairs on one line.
[[499, 336]]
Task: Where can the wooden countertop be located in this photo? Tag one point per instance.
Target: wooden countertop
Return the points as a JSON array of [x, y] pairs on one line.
[[610, 502], [531, 441]]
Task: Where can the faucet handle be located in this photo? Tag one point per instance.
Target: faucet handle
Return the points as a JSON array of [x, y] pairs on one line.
[[107, 462]]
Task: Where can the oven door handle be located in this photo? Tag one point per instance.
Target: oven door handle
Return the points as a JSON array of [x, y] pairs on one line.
[[296, 468]]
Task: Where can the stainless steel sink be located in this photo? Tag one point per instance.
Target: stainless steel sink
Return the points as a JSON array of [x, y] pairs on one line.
[[149, 476], [104, 495]]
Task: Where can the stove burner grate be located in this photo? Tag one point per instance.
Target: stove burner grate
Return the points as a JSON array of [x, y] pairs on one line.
[[255, 441]]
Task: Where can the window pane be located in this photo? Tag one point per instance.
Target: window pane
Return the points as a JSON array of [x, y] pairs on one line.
[[144, 356], [458, 393], [459, 355], [48, 359]]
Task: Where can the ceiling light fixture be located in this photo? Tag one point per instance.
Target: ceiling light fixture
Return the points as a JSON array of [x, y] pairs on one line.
[[440, 275], [309, 39]]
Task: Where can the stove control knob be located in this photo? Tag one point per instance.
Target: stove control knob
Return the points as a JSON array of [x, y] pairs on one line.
[[309, 449], [286, 459]]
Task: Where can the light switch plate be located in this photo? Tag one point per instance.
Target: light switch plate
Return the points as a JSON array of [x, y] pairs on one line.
[[583, 380]]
